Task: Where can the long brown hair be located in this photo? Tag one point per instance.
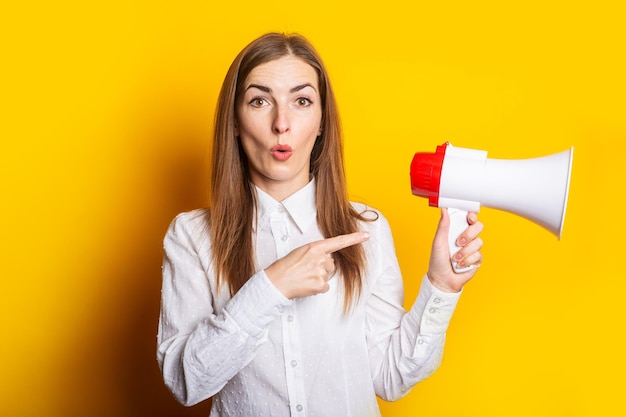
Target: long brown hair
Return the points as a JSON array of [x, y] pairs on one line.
[[232, 193]]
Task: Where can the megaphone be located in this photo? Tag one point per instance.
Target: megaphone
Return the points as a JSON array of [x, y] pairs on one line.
[[463, 180]]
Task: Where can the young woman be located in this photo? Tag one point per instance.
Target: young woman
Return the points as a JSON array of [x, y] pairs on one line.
[[284, 298]]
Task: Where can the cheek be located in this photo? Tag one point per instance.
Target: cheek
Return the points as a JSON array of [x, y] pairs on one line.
[[315, 124], [250, 146], [247, 131], [243, 124], [254, 124]]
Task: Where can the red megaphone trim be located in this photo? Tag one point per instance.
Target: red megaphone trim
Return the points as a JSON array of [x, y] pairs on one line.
[[426, 174]]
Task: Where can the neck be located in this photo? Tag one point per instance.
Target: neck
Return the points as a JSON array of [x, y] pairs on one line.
[[279, 191]]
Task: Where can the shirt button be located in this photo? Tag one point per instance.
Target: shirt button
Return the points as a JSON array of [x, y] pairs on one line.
[[299, 407], [284, 237], [420, 341], [432, 310], [437, 300], [294, 363], [290, 318]]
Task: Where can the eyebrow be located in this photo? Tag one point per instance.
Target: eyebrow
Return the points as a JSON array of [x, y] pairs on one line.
[[292, 90]]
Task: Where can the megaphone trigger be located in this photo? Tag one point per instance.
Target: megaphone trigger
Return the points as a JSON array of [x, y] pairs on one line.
[[458, 224]]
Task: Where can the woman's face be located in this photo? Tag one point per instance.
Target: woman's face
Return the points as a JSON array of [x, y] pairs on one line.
[[278, 121]]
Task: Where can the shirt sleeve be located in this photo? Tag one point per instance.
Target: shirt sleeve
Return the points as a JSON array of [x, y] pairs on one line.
[[199, 349], [404, 347]]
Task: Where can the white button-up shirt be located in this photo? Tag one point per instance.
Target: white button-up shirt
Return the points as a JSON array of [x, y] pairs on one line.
[[260, 354]]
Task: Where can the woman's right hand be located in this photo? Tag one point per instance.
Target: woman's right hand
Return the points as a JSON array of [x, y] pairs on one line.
[[306, 270]]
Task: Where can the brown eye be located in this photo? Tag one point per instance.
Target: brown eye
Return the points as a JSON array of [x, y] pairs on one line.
[[303, 102], [258, 102]]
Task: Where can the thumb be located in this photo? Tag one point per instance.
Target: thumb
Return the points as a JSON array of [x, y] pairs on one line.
[[443, 229], [439, 264]]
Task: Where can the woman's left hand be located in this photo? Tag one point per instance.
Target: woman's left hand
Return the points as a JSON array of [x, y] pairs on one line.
[[440, 272]]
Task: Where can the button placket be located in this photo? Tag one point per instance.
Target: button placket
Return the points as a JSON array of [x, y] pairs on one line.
[[280, 231], [279, 223], [293, 366]]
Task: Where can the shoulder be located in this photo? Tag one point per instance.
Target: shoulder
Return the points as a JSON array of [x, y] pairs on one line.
[[379, 248], [373, 219], [190, 225], [369, 213], [193, 217]]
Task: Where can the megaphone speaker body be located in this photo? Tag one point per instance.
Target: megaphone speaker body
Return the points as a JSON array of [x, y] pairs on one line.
[[465, 179]]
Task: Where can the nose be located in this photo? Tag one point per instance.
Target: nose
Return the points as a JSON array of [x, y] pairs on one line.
[[281, 122]]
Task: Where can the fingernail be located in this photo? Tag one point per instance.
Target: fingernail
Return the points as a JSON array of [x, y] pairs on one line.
[[458, 256], [365, 235], [473, 217], [462, 241]]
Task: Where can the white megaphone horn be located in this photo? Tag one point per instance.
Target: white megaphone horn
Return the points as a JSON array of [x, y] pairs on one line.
[[463, 180]]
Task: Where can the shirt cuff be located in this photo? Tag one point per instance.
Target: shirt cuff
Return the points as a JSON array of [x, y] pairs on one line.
[[256, 305], [434, 308]]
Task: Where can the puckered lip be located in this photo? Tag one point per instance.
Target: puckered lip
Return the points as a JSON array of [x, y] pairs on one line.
[[281, 148], [281, 152]]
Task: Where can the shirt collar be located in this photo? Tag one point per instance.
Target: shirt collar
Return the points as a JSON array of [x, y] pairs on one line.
[[300, 206]]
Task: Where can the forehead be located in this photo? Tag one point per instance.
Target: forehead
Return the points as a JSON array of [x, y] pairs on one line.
[[287, 72]]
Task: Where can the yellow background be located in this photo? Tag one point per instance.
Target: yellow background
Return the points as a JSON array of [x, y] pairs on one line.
[[107, 110]]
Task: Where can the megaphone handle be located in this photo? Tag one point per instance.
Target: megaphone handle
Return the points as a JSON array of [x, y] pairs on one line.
[[458, 223]]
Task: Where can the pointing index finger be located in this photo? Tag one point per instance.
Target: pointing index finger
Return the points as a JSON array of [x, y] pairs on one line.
[[333, 244]]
